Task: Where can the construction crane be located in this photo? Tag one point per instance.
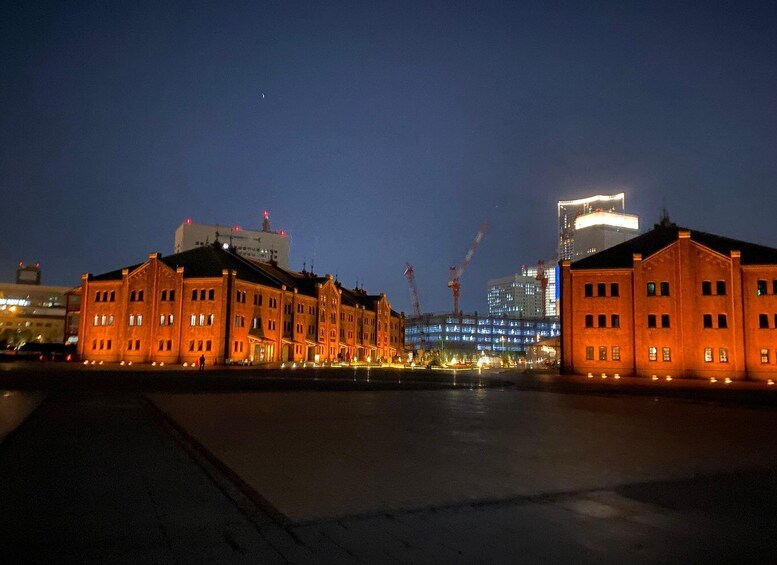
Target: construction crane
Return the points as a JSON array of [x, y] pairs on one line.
[[410, 274], [455, 273], [542, 277]]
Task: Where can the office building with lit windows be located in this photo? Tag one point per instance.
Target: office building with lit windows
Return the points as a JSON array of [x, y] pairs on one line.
[[590, 225], [520, 294], [263, 245], [672, 302], [211, 301], [468, 336]]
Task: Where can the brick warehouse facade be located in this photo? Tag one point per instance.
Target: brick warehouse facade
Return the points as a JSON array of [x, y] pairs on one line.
[[211, 301], [674, 302]]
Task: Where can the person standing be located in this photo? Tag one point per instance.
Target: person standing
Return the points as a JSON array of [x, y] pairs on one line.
[[202, 362]]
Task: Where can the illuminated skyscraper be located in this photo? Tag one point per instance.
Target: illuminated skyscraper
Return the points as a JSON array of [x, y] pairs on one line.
[[589, 225]]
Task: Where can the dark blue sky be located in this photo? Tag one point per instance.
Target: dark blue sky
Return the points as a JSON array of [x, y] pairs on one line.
[[387, 131]]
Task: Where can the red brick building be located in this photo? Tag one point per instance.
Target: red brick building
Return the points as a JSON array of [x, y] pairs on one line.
[[674, 302], [211, 301]]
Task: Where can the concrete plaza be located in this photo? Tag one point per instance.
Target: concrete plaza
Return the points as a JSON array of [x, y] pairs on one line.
[[475, 474]]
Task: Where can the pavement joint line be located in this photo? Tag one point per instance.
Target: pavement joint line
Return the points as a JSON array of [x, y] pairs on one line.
[[253, 505]]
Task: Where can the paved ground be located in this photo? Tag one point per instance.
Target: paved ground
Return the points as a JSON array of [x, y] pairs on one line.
[[101, 477]]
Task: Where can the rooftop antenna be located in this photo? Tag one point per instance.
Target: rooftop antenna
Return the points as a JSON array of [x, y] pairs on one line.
[[266, 222]]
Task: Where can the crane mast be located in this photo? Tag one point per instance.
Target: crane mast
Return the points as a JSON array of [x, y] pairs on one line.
[[454, 275], [410, 274], [542, 277]]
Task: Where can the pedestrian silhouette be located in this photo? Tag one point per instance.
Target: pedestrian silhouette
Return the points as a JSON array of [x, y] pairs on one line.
[[202, 362]]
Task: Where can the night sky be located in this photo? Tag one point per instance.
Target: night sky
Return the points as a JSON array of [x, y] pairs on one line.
[[378, 133]]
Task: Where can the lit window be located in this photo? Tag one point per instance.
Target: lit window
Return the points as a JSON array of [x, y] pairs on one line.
[[132, 320], [193, 321], [764, 356], [97, 321], [651, 289], [652, 353], [616, 353], [708, 355], [140, 319], [761, 289], [602, 353], [723, 355], [667, 354], [589, 353]]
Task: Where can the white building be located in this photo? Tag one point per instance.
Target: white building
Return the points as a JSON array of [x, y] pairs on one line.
[[521, 294], [601, 230], [589, 225], [263, 245]]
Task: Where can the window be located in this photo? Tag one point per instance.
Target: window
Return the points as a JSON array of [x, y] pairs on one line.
[[652, 353], [137, 344], [616, 353], [722, 321], [667, 354], [651, 289], [706, 288], [589, 289], [97, 296], [589, 353], [764, 356], [763, 321], [207, 345], [601, 289], [774, 287], [97, 321], [131, 319], [720, 288], [651, 320], [211, 294], [169, 344], [589, 320], [202, 294], [191, 345], [202, 319], [132, 295], [172, 295], [140, 319], [723, 355], [614, 289], [110, 320], [761, 290], [270, 324], [708, 355], [707, 320], [602, 320], [775, 320], [664, 288], [664, 320], [129, 345], [602, 353], [199, 345], [194, 294], [162, 320], [108, 344], [164, 299], [161, 345], [615, 321]]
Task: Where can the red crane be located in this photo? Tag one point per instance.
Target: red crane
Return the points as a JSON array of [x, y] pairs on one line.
[[410, 274], [542, 277], [455, 273]]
